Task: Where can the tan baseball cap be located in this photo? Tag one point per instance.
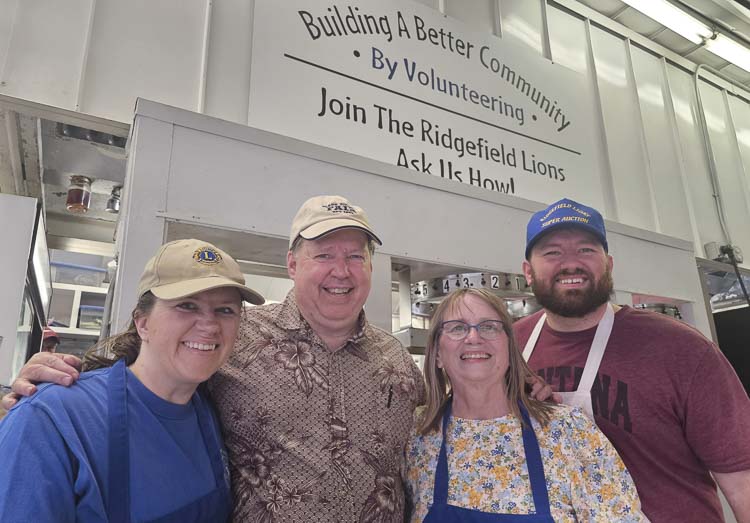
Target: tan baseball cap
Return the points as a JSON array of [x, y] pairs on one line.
[[321, 215], [185, 267]]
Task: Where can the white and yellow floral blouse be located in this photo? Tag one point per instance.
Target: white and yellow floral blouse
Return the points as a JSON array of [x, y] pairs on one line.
[[586, 479]]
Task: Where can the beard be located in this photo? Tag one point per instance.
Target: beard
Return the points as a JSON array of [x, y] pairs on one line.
[[573, 303]]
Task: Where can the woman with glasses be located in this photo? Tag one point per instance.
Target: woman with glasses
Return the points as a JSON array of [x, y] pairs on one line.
[[483, 450]]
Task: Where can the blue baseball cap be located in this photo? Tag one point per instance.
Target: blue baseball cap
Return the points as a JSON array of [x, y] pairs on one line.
[[565, 213]]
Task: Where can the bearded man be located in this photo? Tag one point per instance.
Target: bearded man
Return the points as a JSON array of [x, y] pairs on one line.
[[663, 394]]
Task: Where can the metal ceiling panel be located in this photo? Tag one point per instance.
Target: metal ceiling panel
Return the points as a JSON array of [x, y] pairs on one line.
[[738, 73], [673, 41], [638, 22], [69, 156], [606, 7], [702, 56]]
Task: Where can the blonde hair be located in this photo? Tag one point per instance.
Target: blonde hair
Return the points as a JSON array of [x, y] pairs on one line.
[[439, 390]]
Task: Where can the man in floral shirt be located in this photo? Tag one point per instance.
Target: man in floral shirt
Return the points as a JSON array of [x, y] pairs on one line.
[[315, 402]]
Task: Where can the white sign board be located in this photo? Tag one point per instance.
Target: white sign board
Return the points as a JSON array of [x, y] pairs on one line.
[[398, 82]]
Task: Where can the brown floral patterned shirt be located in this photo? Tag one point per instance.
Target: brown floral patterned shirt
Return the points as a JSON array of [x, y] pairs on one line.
[[313, 434]]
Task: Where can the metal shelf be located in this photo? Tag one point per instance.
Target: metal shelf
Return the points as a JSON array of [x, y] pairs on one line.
[[78, 291], [76, 333], [80, 288]]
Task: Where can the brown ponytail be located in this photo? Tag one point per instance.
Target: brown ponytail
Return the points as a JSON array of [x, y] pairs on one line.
[[125, 345]]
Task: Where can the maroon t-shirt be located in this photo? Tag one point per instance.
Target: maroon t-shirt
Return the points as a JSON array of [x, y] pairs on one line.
[[667, 399]]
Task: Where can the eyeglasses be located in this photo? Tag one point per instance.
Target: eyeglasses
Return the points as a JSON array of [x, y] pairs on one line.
[[457, 330]]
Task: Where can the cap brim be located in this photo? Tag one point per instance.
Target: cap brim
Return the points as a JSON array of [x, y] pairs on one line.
[[183, 289], [568, 225], [321, 229]]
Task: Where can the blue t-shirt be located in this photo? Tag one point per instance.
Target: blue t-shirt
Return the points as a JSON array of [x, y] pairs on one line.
[[54, 453]]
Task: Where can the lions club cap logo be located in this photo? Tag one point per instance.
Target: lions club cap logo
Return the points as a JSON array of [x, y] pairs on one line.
[[207, 255]]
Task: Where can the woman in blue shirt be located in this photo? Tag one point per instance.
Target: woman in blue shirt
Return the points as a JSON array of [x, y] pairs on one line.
[[136, 441]]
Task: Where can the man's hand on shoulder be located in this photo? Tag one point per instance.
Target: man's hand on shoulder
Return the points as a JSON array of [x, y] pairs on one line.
[[540, 390], [43, 367]]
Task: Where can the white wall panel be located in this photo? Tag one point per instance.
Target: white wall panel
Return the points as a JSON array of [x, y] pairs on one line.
[[568, 43], [429, 3], [728, 166], [739, 111], [623, 129], [663, 165], [46, 49], [521, 20], [569, 47], [480, 15], [695, 161], [230, 45], [140, 231], [142, 48], [8, 9]]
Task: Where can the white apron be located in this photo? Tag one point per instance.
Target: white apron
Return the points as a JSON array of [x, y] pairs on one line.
[[581, 397]]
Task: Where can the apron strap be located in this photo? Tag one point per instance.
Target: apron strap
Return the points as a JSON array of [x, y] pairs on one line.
[[213, 444], [531, 342], [534, 465], [118, 484], [440, 490], [596, 353]]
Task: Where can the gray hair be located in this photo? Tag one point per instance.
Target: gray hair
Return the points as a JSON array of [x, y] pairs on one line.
[[299, 240]]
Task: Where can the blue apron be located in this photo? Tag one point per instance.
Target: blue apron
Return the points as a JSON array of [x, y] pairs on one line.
[[214, 506], [442, 512]]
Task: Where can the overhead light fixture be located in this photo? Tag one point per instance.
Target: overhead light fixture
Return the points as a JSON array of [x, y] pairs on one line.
[[669, 15], [686, 25], [730, 50]]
